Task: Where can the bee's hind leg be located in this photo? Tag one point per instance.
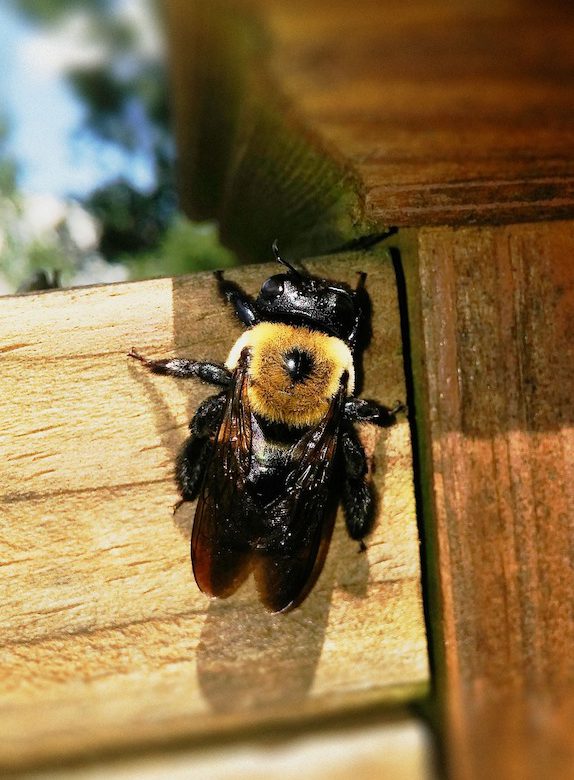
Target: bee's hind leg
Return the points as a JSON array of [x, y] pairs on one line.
[[194, 455], [357, 497], [190, 467]]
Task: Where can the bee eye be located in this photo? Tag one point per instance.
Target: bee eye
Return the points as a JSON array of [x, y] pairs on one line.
[[272, 288], [344, 307], [345, 312]]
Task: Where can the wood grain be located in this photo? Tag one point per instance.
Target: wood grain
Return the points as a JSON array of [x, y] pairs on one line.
[[326, 120], [106, 643], [450, 113], [495, 369]]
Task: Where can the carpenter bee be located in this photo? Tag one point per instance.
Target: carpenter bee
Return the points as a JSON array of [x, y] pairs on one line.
[[271, 455]]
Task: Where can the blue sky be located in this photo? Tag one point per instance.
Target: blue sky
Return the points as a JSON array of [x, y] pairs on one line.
[[45, 120]]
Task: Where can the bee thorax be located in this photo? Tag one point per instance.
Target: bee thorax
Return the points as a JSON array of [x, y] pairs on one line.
[[294, 372], [298, 364]]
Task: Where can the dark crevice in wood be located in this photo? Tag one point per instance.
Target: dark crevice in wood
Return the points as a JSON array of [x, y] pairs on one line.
[[428, 708], [364, 242]]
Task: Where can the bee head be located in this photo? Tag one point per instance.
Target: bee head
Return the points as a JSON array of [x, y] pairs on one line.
[[296, 298]]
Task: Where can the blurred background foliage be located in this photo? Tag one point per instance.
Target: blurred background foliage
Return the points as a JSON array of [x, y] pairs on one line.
[[117, 225]]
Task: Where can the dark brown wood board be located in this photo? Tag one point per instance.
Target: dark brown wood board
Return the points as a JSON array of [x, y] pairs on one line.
[[320, 121], [493, 355]]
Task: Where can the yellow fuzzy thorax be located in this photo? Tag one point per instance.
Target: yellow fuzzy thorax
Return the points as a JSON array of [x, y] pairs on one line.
[[272, 393]]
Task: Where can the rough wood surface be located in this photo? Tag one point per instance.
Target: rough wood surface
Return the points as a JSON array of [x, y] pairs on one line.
[[106, 642], [496, 310], [319, 121]]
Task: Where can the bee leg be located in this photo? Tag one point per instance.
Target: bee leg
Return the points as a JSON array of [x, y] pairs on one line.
[[194, 455], [190, 467], [181, 368], [207, 417], [357, 497], [362, 411], [243, 303]]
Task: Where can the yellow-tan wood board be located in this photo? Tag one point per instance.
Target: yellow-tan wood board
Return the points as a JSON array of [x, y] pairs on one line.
[[106, 642]]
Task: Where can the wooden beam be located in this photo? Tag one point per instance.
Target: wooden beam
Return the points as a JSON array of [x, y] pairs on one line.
[[323, 121]]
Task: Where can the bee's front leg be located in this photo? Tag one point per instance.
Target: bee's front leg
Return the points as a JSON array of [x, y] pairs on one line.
[[181, 368], [243, 303]]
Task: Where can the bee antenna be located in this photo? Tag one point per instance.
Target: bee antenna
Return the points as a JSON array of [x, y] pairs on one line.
[[275, 248]]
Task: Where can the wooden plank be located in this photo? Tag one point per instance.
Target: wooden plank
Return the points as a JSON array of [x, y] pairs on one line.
[[494, 365], [399, 749], [449, 113], [106, 642], [325, 120]]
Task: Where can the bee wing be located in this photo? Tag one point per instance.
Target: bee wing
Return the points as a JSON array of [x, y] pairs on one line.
[[220, 555], [302, 518]]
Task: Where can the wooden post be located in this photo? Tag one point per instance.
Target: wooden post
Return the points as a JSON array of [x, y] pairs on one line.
[[494, 368]]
